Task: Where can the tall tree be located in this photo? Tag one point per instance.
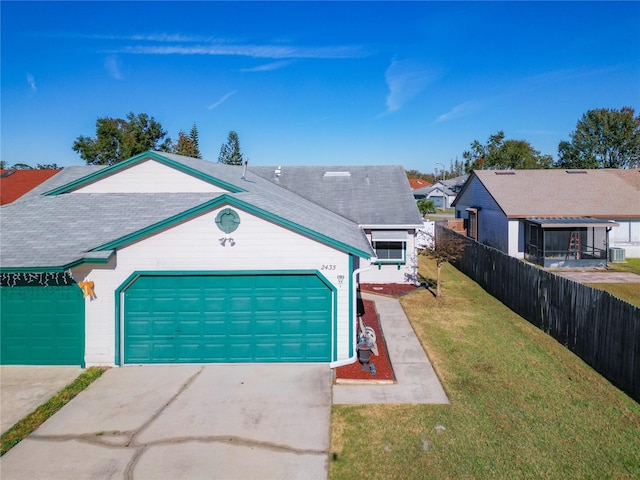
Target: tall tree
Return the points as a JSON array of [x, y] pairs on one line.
[[230, 151], [195, 139], [118, 139], [501, 154], [604, 138]]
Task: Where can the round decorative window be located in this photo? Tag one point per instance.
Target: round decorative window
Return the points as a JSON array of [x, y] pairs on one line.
[[227, 220]]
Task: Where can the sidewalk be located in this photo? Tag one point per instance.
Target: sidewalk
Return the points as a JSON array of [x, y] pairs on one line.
[[417, 382]]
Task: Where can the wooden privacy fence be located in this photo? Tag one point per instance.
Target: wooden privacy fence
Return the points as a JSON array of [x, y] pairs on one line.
[[601, 329]]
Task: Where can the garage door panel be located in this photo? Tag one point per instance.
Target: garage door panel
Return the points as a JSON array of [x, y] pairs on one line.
[[235, 318], [42, 325]]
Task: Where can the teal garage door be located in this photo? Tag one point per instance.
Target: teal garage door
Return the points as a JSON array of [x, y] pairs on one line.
[[227, 318], [42, 325]]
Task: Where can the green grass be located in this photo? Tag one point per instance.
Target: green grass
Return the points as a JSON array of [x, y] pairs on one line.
[[631, 265], [522, 406], [28, 424], [629, 292]]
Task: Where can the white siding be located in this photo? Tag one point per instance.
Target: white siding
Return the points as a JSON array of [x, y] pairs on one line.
[[164, 180], [516, 238], [194, 246]]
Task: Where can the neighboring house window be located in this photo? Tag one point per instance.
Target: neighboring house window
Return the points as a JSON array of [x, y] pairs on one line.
[[390, 245], [627, 232], [472, 225]]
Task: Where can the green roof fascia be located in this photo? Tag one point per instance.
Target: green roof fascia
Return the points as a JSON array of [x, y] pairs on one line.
[[140, 157], [86, 259], [225, 199]]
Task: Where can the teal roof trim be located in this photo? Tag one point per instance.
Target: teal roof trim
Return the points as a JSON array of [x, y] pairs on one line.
[[137, 159], [233, 201]]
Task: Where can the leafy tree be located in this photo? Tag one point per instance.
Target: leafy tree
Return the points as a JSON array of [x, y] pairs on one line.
[[230, 151], [604, 138], [501, 154], [426, 205], [118, 139], [428, 177], [21, 166], [47, 166], [447, 246], [185, 146]]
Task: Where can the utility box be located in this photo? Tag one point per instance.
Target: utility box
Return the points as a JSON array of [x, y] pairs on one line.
[[617, 254]]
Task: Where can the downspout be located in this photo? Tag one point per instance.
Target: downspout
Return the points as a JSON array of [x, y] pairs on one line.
[[354, 351]]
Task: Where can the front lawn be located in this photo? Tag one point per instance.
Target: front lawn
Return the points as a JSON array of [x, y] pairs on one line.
[[522, 406]]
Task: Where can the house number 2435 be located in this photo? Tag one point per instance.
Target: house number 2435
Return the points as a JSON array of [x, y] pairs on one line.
[[327, 267]]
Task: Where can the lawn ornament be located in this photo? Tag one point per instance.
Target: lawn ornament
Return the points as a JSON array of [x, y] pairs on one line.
[[87, 289]]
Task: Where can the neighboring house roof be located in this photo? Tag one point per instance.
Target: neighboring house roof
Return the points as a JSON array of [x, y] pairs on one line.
[[15, 183], [603, 193], [369, 195], [416, 183], [450, 187], [52, 228]]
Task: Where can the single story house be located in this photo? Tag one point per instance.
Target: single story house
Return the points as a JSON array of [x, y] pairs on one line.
[[443, 192], [169, 259], [554, 218]]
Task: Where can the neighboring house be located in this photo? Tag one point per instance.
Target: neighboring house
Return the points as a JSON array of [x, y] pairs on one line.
[[15, 183], [554, 218], [443, 192], [416, 183], [182, 260]]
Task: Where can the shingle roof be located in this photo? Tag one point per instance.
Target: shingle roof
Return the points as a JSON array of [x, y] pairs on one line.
[[367, 195], [15, 183], [49, 231], [604, 193]]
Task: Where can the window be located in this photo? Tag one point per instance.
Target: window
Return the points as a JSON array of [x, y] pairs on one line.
[[627, 232], [472, 225], [390, 252]]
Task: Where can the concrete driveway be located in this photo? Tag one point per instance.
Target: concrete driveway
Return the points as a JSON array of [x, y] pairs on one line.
[[24, 389], [257, 421]]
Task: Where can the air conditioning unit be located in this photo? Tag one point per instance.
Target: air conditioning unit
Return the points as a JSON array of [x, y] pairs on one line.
[[617, 254]]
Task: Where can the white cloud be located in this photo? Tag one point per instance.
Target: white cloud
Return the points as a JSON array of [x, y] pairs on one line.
[[32, 82], [222, 100], [112, 65], [254, 51], [268, 67], [458, 111], [405, 80]]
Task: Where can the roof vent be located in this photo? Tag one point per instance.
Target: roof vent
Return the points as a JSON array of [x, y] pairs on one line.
[[505, 172], [576, 171], [337, 174]]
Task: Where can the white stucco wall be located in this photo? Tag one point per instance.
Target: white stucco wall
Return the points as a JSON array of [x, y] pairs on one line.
[[193, 246]]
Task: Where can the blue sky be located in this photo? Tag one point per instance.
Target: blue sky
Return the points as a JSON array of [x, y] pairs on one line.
[[315, 83]]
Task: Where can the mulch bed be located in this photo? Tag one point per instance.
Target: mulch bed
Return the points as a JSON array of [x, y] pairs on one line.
[[384, 371], [389, 289]]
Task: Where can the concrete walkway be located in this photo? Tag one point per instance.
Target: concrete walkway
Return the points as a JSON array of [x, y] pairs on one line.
[[417, 382], [599, 277]]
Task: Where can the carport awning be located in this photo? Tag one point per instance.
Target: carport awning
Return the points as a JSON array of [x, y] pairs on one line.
[[572, 222]]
